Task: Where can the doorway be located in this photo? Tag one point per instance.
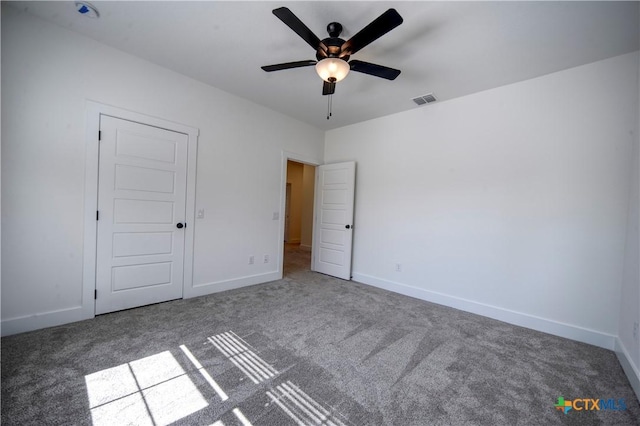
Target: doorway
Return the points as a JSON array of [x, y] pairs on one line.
[[139, 199], [298, 235]]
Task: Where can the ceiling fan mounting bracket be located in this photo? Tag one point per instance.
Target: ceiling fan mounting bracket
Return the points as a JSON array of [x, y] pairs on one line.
[[334, 29]]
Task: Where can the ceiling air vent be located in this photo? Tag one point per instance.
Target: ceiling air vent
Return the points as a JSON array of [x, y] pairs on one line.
[[425, 99]]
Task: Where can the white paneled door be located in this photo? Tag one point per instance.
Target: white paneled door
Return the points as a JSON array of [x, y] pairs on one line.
[[141, 215], [335, 188]]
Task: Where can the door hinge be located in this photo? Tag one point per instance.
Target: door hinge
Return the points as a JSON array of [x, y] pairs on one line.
[[99, 135], [97, 215], [95, 294]]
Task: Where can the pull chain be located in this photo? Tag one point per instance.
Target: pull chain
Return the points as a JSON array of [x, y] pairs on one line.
[[329, 88]]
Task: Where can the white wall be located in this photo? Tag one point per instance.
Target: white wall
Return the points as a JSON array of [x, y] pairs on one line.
[[511, 203], [628, 345], [48, 73]]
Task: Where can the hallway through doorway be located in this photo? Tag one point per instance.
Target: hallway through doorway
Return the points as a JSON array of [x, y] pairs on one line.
[[296, 260]]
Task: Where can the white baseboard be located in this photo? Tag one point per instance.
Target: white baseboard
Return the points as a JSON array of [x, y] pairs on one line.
[[43, 320], [607, 341], [556, 328], [64, 316], [630, 369], [305, 247], [218, 286]]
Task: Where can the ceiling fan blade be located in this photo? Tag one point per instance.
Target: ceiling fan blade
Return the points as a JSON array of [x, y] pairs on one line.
[[293, 22], [328, 88], [288, 65], [374, 69], [376, 29]]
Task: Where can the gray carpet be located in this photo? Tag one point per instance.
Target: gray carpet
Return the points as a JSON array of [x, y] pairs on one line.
[[308, 349]]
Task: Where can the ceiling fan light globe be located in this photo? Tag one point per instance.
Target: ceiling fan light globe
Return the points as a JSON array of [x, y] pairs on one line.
[[332, 68]]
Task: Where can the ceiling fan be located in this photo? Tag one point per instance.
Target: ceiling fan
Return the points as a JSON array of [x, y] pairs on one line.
[[333, 53]]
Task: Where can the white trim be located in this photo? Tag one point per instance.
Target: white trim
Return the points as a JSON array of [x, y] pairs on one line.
[[190, 214], [92, 149], [286, 156], [94, 110], [43, 320], [556, 328], [632, 371], [231, 284]]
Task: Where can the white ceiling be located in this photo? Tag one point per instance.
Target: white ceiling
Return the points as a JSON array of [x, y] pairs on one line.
[[449, 48]]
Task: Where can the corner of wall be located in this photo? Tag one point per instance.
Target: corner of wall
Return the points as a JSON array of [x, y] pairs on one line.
[[631, 370], [630, 357]]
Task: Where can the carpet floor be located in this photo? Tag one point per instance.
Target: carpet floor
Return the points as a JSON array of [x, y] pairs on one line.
[[307, 349]]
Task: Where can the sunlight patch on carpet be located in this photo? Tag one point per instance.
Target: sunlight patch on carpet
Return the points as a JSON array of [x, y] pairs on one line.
[[241, 417], [150, 391], [237, 351], [221, 393], [302, 408]]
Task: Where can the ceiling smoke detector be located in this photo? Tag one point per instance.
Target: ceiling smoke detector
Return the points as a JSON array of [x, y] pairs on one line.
[[425, 99], [87, 9]]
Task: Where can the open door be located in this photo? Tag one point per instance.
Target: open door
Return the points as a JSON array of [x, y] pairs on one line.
[[333, 230]]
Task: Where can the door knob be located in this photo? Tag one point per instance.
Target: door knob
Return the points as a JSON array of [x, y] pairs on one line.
[[180, 226], [347, 226]]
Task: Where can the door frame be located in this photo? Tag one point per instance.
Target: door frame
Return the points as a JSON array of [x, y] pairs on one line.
[[287, 211], [93, 112], [298, 158]]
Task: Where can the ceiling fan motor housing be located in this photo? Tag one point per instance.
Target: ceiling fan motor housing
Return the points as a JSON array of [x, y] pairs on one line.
[[334, 49], [333, 43]]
